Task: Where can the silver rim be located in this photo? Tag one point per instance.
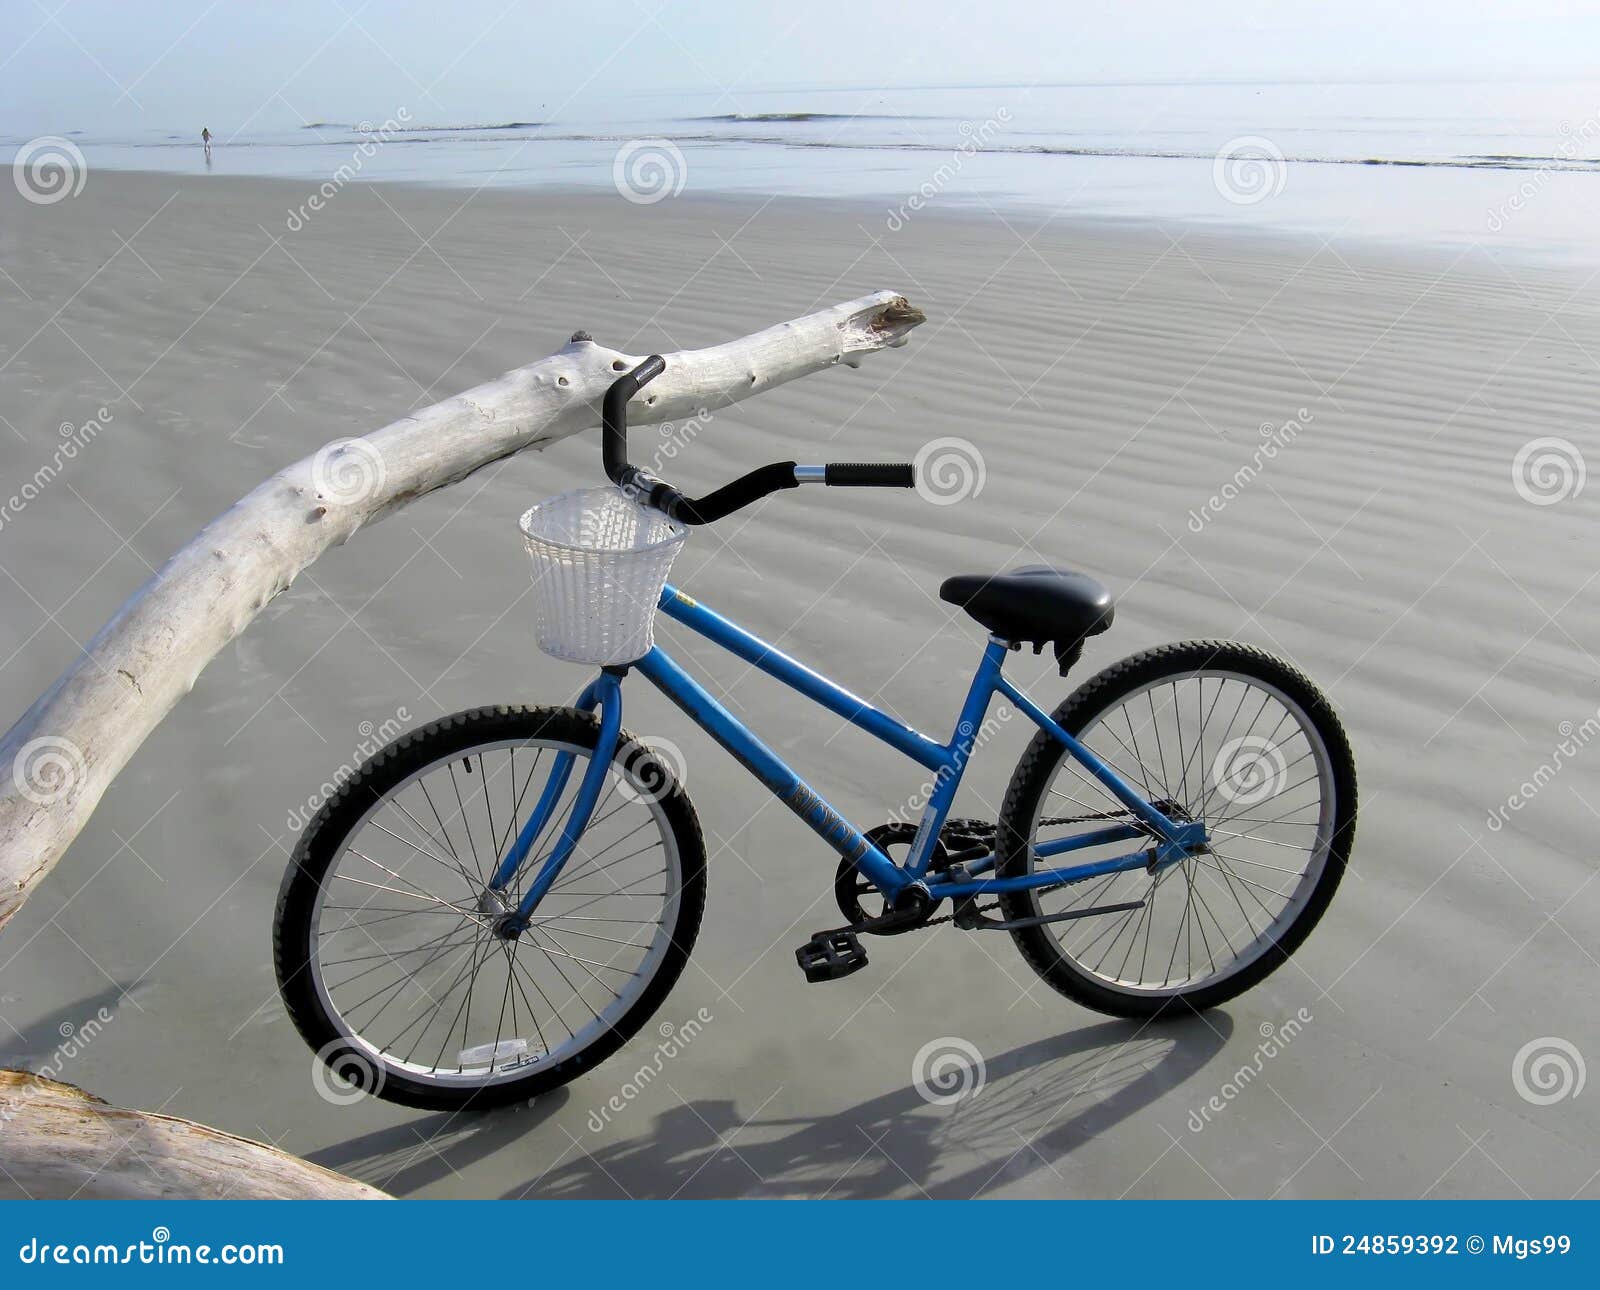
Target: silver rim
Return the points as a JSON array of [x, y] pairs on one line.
[[1230, 749], [402, 955]]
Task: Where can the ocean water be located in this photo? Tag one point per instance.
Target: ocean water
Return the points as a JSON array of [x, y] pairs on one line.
[[1513, 164]]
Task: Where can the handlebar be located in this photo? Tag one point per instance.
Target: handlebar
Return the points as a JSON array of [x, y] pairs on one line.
[[870, 474], [733, 496]]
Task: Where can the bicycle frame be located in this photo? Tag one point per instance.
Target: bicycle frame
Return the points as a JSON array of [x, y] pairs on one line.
[[1164, 841]]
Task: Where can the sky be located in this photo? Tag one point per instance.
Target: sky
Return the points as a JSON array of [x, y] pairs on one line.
[[249, 67]]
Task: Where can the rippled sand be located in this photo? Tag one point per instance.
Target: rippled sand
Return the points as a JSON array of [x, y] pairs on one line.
[[1120, 385]]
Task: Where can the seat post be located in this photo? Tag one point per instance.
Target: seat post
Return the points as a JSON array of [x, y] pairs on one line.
[[986, 683], [987, 680]]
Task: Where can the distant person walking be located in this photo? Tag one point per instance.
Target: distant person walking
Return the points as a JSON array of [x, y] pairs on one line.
[[205, 138]]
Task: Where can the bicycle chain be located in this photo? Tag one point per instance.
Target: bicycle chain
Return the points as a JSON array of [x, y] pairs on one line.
[[1085, 819], [1053, 820]]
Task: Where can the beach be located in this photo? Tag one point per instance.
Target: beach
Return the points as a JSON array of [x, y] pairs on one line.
[[1365, 456], [1502, 162]]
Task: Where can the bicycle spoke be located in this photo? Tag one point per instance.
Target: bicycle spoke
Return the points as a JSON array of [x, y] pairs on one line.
[[464, 1010], [516, 804], [396, 891], [1161, 753], [398, 984], [363, 924], [449, 845], [1138, 757], [533, 1013], [1284, 820], [488, 801], [1163, 736], [549, 931], [447, 999], [1281, 895], [1251, 837], [1199, 809], [468, 958], [423, 852], [1183, 763], [577, 991], [424, 831], [1205, 906], [593, 936], [466, 824]]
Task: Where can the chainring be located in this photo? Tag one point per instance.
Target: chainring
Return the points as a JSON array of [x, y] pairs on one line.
[[850, 888]]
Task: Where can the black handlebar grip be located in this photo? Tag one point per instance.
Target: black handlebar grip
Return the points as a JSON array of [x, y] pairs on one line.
[[870, 474], [648, 370], [614, 417]]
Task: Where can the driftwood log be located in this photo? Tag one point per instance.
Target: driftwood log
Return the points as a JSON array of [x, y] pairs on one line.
[[58, 1141], [59, 758]]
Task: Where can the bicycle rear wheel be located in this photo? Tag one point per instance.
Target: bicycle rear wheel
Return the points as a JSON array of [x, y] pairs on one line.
[[1211, 731], [384, 944]]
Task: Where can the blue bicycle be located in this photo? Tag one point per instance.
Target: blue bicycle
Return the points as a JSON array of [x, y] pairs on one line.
[[497, 901]]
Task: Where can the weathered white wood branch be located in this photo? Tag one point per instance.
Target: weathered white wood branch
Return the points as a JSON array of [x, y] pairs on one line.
[[59, 758], [59, 1142]]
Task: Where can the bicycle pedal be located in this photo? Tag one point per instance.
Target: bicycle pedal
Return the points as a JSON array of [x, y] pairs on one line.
[[827, 956]]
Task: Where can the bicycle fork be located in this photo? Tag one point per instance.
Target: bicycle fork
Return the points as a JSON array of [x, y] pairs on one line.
[[511, 920]]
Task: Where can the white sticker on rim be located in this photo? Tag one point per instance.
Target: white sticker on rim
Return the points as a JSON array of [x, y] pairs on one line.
[[504, 1052]]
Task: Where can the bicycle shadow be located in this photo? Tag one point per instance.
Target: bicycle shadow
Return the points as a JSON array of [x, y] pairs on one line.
[[55, 1039], [406, 1157], [1038, 1103]]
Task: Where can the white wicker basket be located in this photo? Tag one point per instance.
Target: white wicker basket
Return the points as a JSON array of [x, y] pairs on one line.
[[600, 560]]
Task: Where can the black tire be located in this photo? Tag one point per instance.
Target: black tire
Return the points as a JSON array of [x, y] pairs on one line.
[[390, 772], [1036, 772]]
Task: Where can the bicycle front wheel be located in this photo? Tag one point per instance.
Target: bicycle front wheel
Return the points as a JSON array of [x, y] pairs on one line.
[[1210, 731], [384, 944]]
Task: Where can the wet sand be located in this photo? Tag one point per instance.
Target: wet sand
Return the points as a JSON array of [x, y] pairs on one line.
[[1115, 381]]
